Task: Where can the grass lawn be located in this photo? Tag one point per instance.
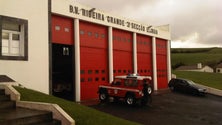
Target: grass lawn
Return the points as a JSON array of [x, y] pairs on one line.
[[82, 115], [209, 79], [191, 56]]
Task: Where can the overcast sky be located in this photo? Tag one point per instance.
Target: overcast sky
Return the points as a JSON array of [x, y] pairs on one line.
[[194, 23]]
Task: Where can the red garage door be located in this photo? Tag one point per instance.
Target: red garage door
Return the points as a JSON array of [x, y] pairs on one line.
[[144, 55], [93, 59], [122, 52], [161, 51], [62, 30]]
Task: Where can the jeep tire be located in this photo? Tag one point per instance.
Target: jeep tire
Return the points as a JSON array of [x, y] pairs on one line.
[[130, 99], [149, 90], [103, 96]]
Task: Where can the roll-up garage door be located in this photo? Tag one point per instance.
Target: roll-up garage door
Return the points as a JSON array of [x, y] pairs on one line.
[[144, 55], [93, 58], [161, 51], [122, 52]]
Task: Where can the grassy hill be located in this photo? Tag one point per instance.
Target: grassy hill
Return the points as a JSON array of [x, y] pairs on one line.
[[191, 56]]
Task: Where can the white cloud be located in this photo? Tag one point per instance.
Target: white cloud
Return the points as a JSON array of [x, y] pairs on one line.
[[186, 18]]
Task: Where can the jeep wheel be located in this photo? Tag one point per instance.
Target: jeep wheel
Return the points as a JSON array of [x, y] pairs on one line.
[[149, 90], [103, 96], [130, 100]]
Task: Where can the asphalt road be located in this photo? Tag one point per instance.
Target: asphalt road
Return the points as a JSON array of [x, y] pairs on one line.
[[170, 109]]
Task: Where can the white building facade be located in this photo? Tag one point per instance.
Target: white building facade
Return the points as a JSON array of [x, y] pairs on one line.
[[61, 47]]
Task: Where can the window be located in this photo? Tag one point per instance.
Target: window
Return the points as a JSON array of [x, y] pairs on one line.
[[117, 82], [131, 82], [89, 79], [90, 71], [57, 28], [103, 35], [81, 32], [82, 72], [97, 79], [66, 29], [103, 79], [97, 71], [89, 33], [96, 35], [82, 80], [13, 38]]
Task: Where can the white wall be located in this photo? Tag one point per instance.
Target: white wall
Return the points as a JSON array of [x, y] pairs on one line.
[[34, 72], [204, 69], [207, 69], [62, 7]]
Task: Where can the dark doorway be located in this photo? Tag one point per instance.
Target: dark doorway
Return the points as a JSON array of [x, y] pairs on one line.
[[62, 71]]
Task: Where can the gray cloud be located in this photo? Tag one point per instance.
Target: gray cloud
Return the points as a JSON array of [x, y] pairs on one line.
[[203, 17]]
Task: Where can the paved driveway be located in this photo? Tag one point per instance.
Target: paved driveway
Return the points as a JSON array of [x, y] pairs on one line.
[[170, 109]]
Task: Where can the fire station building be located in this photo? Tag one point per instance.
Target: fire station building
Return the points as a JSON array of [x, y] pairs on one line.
[[66, 49]]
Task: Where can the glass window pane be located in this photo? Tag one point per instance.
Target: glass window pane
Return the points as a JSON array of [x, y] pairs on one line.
[[66, 29], [82, 72], [4, 50], [5, 35], [97, 71], [89, 33], [15, 51], [15, 37], [10, 26], [96, 35], [81, 32], [57, 28], [102, 35], [15, 44], [90, 71], [5, 43]]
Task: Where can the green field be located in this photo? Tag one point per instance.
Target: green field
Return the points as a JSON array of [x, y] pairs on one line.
[[191, 56], [209, 79], [83, 115]]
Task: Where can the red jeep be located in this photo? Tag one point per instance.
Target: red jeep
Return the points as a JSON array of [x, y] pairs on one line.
[[132, 88]]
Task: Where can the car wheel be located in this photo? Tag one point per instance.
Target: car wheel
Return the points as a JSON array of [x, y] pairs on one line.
[[103, 96], [172, 88], [130, 100]]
